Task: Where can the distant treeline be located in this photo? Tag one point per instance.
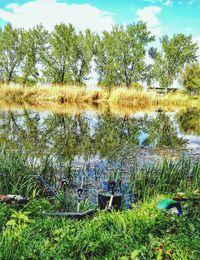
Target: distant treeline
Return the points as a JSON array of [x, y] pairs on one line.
[[65, 56]]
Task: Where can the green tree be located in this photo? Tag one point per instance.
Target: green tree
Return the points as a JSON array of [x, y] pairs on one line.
[[174, 55], [57, 55], [120, 55], [81, 56], [34, 41], [67, 57], [11, 52], [190, 79]]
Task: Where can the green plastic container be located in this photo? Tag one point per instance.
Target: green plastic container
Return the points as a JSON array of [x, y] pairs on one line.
[[168, 204]]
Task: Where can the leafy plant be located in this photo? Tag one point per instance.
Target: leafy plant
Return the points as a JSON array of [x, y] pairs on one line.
[[190, 79], [171, 60]]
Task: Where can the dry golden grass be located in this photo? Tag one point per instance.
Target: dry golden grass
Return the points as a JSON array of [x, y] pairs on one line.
[[54, 94], [119, 99], [130, 97], [76, 109], [55, 108]]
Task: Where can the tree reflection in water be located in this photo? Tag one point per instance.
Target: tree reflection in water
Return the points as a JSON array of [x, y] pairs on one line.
[[82, 136], [189, 121]]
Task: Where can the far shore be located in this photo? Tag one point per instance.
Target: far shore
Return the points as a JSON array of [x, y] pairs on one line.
[[123, 100]]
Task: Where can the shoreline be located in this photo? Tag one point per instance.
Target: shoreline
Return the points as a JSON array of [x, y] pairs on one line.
[[119, 101]]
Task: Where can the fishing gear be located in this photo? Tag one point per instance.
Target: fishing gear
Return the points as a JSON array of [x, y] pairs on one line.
[[110, 200], [72, 215], [46, 183], [64, 185], [80, 192], [112, 186], [174, 205]]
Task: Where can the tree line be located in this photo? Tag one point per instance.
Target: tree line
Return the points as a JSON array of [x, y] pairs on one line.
[[65, 56]]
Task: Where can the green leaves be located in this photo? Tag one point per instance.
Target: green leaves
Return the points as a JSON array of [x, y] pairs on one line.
[[11, 223], [190, 78], [33, 42], [56, 56], [62, 56], [65, 56], [11, 52], [192, 227], [142, 233], [171, 60], [120, 55]]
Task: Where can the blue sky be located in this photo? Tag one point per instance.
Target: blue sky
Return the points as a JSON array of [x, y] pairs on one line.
[[171, 16], [175, 15]]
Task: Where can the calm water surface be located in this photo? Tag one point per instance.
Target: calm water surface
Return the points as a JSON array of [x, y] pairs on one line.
[[100, 144], [91, 136]]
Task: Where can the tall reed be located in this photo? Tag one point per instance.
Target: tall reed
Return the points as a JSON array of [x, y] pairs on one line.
[[18, 172], [167, 177], [81, 95]]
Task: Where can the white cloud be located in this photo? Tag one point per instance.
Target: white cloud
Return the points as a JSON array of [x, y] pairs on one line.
[[168, 3], [51, 12], [12, 6], [149, 16]]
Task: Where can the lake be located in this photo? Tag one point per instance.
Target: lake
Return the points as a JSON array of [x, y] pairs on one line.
[[102, 143], [93, 136]]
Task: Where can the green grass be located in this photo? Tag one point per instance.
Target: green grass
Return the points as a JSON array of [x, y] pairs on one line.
[[167, 177], [18, 173], [142, 233]]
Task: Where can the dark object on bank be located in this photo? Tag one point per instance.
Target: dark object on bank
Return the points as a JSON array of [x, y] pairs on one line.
[[13, 199], [72, 215], [104, 199], [110, 200]]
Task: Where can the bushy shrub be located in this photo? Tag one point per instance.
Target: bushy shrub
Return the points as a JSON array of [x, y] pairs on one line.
[[191, 79]]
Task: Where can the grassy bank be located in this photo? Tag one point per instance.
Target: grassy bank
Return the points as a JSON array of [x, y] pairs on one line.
[[142, 233], [80, 95]]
